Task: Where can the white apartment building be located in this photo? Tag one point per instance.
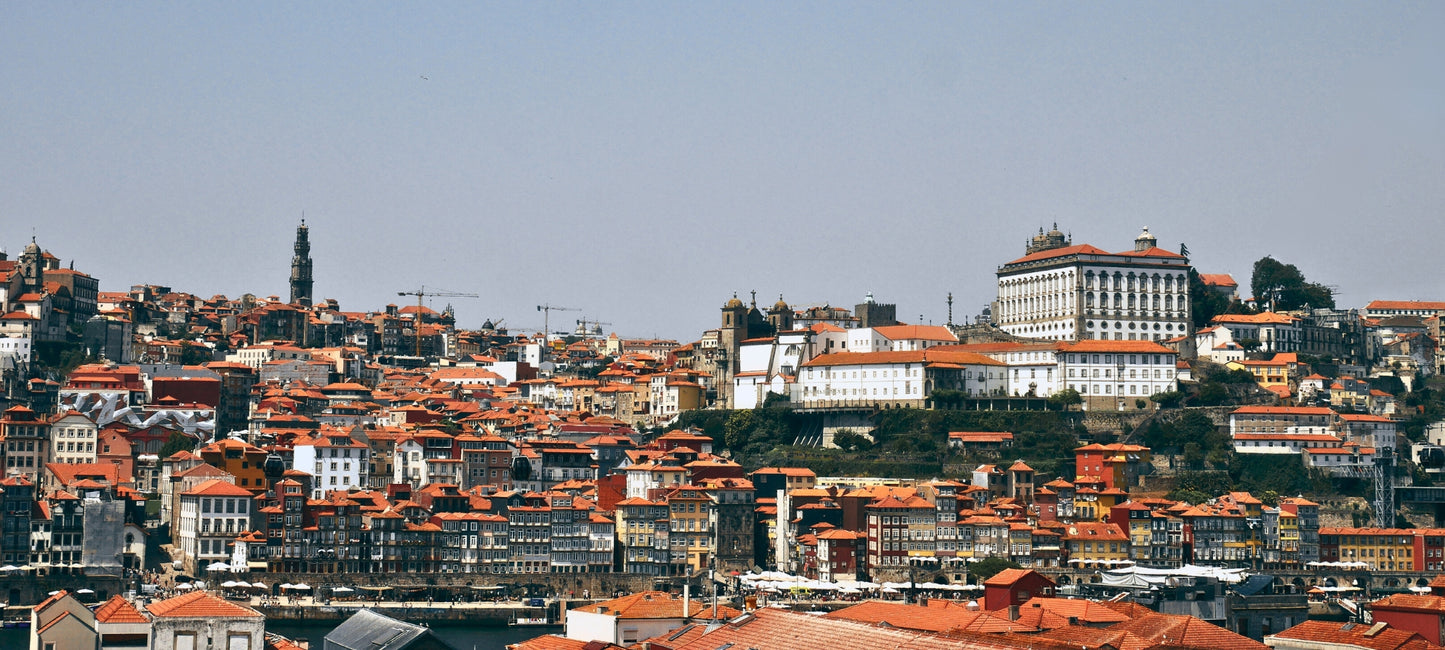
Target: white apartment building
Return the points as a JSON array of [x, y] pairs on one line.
[[334, 459], [1064, 292], [73, 439], [1109, 373], [1033, 368], [1282, 419], [1369, 430], [895, 379], [898, 338], [258, 355], [1275, 332], [212, 515]]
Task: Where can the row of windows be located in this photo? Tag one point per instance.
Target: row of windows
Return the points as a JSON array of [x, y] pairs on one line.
[[1134, 389]]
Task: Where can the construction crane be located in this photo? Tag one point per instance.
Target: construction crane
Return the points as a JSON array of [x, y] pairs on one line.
[[422, 293], [583, 330], [547, 309]]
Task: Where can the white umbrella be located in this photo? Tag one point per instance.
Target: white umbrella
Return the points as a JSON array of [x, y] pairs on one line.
[[889, 590], [200, 584], [84, 591], [218, 566], [301, 586], [185, 586], [9, 567], [258, 585], [342, 590], [286, 585], [229, 584], [54, 592]]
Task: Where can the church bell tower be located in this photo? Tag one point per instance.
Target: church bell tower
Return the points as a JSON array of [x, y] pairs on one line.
[[301, 268]]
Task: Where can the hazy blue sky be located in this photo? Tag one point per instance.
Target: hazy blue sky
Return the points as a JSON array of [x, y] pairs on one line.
[[643, 161]]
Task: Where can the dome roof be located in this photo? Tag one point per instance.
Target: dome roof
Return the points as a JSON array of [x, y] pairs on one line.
[[734, 303], [1145, 236], [780, 305]]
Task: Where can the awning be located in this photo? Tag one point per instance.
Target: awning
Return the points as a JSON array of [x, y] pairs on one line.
[[375, 588]]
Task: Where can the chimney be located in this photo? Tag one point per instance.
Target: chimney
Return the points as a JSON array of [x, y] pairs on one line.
[[1013, 612], [686, 601]]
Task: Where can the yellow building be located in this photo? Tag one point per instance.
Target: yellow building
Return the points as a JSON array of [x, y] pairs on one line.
[[1092, 544], [1266, 373], [687, 520], [1383, 549]]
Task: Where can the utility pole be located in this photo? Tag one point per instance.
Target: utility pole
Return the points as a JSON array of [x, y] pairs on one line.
[[421, 293], [547, 309]]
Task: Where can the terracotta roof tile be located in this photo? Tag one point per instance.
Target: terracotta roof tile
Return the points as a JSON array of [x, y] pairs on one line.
[[119, 610], [200, 604]]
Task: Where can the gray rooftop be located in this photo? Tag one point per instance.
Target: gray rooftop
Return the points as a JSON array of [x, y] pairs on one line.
[[368, 630]]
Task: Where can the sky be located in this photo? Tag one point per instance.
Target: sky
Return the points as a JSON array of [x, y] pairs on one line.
[[642, 161]]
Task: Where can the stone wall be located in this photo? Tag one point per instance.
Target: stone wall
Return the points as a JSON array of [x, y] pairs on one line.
[[556, 583], [30, 590]]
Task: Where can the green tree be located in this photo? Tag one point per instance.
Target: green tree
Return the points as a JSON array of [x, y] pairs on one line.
[[1193, 455], [1065, 398], [195, 354], [850, 440], [1204, 303], [1168, 399], [989, 567], [1283, 287], [1187, 495], [776, 400], [1211, 393], [177, 441], [738, 431], [1249, 345]]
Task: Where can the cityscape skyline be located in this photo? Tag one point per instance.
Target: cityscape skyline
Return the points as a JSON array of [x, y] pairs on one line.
[[615, 159]]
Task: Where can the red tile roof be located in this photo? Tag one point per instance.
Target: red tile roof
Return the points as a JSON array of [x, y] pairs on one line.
[[555, 642], [119, 610], [1379, 636], [927, 618], [1007, 577], [200, 604], [650, 605], [1186, 632]]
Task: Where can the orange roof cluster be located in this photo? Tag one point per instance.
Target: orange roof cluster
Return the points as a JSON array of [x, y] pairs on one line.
[[945, 617]]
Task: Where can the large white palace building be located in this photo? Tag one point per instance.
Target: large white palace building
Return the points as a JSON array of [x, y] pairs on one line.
[[1063, 292]]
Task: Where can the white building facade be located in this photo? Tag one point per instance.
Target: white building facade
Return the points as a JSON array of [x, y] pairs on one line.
[[212, 515], [897, 379], [1064, 292], [1117, 371], [335, 460], [73, 439]]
